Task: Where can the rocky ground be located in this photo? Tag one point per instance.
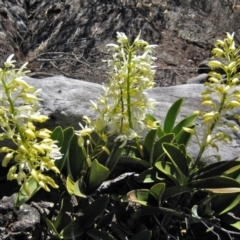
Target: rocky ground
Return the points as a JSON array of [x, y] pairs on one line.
[[68, 37]]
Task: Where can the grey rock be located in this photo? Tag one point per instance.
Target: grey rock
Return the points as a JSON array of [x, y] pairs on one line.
[[66, 101], [201, 78], [18, 222]]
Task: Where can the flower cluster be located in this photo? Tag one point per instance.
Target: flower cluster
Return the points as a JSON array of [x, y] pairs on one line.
[[34, 151], [221, 85], [123, 105]]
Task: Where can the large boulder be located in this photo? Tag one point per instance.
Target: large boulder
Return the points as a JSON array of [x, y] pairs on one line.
[[66, 101]]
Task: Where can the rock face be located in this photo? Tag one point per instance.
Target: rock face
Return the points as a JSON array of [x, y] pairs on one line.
[[68, 37], [66, 101]]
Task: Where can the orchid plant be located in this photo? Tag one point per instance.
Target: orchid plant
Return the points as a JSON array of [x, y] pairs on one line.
[[34, 151]]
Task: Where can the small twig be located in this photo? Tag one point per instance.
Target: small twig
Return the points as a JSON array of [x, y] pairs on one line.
[[165, 231]]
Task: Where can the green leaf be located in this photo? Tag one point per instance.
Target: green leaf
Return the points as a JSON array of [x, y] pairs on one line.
[[160, 132], [70, 185], [112, 160], [63, 219], [138, 196], [215, 169], [219, 184], [98, 174], [93, 211], [148, 145], [149, 176], [51, 227], [156, 191], [77, 159], [158, 149], [22, 196], [79, 188], [178, 159], [105, 220], [223, 203], [99, 235], [172, 115], [174, 191], [170, 171], [72, 231], [186, 122], [184, 137], [65, 141], [57, 134], [143, 235], [231, 220]]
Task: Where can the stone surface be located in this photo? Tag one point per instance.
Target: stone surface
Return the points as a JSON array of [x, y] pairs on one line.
[[66, 100], [18, 223], [68, 37]]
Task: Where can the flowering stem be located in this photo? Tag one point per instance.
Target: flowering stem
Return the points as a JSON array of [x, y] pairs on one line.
[[209, 132], [128, 90], [6, 89]]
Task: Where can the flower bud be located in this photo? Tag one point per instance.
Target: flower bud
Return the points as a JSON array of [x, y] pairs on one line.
[[6, 159]]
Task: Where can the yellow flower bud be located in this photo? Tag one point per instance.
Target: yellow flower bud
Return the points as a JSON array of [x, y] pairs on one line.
[[35, 174], [38, 118], [189, 130], [233, 104], [215, 64], [209, 138], [51, 182], [30, 134], [44, 186], [38, 148], [23, 149], [6, 159], [4, 149]]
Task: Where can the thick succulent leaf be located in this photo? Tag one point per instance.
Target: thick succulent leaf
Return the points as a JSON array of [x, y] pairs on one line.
[[98, 174], [63, 219], [160, 132], [112, 160], [219, 184], [158, 149], [51, 227], [57, 134], [177, 158], [233, 172], [93, 211], [72, 231], [150, 175], [231, 220], [79, 188], [215, 169], [174, 191], [70, 185], [138, 196], [67, 136], [170, 171], [185, 137], [172, 115], [77, 159], [105, 220], [143, 235], [186, 122], [96, 234], [22, 196], [223, 203], [148, 145], [156, 191]]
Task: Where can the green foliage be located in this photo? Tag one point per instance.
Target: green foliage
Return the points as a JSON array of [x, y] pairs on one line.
[[166, 191]]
